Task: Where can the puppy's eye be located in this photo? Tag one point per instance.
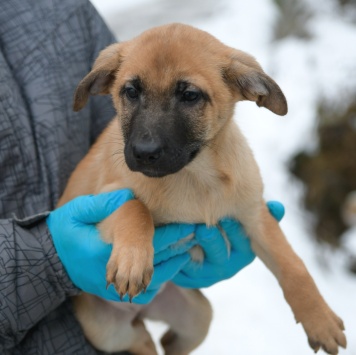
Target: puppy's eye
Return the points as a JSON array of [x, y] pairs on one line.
[[131, 93], [190, 96]]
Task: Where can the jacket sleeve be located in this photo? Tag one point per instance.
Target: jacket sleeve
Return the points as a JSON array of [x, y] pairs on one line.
[[33, 281]]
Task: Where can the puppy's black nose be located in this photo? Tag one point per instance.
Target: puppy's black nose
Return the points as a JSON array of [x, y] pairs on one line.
[[147, 152]]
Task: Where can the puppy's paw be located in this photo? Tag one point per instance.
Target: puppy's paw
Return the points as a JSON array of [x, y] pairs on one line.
[[197, 254], [130, 269], [324, 330]]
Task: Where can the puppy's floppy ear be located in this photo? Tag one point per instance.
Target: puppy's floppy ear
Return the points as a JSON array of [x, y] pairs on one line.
[[245, 75], [101, 77]]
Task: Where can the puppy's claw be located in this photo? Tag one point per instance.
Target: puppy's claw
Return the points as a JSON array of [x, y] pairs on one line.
[[315, 345], [340, 323]]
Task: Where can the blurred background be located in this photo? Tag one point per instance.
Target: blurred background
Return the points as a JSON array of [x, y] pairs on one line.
[[307, 158]]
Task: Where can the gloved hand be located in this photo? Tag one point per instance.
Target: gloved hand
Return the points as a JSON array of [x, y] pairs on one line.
[[218, 265], [84, 255]]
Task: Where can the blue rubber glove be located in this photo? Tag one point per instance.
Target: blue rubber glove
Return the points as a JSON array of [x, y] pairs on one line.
[[218, 265], [84, 255]]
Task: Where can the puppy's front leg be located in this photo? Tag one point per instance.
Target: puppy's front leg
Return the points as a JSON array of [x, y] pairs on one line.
[[323, 327], [130, 229]]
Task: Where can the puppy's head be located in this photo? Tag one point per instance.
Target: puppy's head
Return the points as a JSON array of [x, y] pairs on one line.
[[174, 88]]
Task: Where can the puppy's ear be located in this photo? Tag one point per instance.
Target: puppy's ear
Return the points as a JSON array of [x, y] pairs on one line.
[[101, 77], [245, 76]]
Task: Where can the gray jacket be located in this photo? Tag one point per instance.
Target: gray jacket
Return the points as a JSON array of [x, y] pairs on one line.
[[46, 47]]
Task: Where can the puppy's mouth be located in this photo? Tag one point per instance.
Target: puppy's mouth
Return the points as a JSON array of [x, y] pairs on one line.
[[168, 162], [193, 154], [154, 173]]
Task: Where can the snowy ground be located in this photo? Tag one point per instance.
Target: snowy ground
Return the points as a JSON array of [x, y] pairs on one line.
[[250, 314]]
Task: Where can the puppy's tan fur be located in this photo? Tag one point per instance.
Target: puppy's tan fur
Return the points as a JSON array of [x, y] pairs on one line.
[[223, 180]]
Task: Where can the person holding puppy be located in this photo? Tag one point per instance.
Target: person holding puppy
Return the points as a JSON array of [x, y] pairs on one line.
[[46, 47]]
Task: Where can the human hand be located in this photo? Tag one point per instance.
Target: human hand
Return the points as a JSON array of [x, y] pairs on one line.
[[218, 265], [84, 255]]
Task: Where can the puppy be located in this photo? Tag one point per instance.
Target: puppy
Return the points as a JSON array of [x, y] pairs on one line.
[[175, 144]]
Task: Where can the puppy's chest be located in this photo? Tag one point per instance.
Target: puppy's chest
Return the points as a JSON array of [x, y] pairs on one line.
[[188, 204]]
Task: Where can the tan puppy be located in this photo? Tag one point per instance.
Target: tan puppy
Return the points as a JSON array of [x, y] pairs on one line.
[[174, 143]]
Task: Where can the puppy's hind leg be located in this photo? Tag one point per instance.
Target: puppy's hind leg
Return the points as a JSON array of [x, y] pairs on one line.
[[113, 326], [187, 312]]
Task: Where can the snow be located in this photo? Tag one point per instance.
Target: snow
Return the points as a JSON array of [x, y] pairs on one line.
[[250, 314]]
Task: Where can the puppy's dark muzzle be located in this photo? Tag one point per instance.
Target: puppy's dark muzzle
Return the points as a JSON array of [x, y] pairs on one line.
[[147, 153], [160, 148], [148, 156], [154, 159]]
